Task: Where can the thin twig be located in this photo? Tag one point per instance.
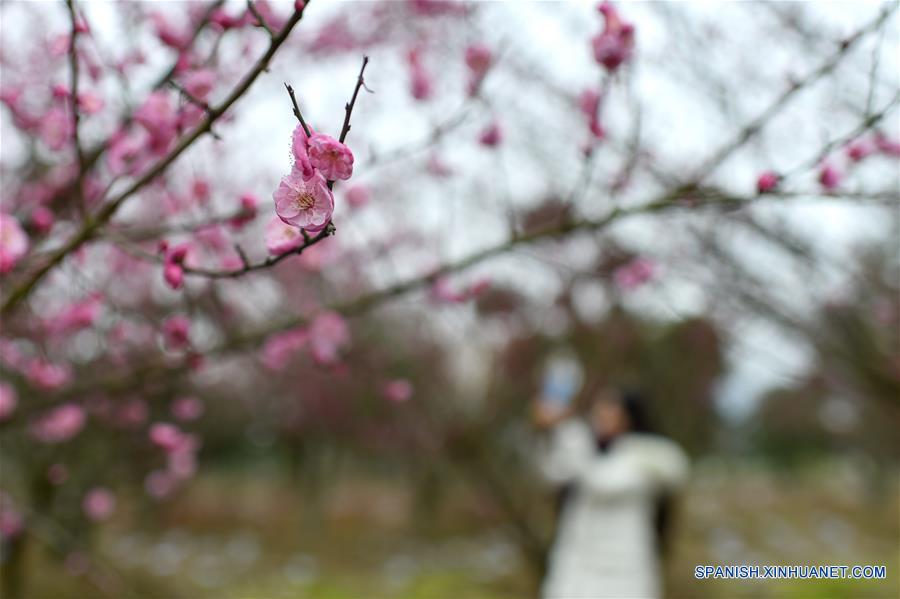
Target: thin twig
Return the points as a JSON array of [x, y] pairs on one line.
[[756, 125], [262, 22], [348, 108], [80, 201], [297, 113]]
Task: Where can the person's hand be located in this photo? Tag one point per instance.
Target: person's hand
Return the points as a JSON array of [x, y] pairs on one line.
[[547, 415]]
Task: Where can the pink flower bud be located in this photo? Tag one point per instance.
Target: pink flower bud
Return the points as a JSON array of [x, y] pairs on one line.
[[397, 390], [173, 275], [829, 177], [491, 136], [99, 504], [766, 182]]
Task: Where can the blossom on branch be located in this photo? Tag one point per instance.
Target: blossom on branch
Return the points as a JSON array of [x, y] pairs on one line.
[[304, 203], [615, 44], [330, 157]]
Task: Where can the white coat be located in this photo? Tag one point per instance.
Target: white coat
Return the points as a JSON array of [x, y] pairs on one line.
[[606, 538]]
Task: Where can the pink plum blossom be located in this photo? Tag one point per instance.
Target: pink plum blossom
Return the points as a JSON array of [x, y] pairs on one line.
[[77, 316], [132, 413], [889, 147], [13, 242], [767, 182], [99, 504], [56, 128], [7, 401], [167, 436], [443, 292], [859, 149], [174, 257], [615, 44], [199, 83], [274, 21], [589, 103], [247, 213], [59, 424], [278, 349], [42, 219], [282, 237], [328, 335], [173, 275], [635, 273], [47, 375], [491, 136], [187, 409], [421, 87], [478, 58], [330, 157], [170, 35], [397, 390], [300, 151], [126, 153], [158, 117], [357, 196], [307, 204], [159, 484], [437, 167], [90, 103], [829, 177], [176, 332]]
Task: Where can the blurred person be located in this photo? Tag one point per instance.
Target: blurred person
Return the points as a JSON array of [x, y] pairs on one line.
[[616, 480]]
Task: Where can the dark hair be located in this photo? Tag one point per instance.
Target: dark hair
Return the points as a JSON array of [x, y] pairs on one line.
[[637, 407]]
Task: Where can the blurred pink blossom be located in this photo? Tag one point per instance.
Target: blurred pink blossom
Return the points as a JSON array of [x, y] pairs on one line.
[[357, 196], [397, 390], [167, 436], [615, 44], [13, 242], [76, 316], [59, 424], [328, 335], [829, 177], [278, 349], [491, 136], [99, 504], [158, 117], [47, 375], [282, 237], [421, 87], [635, 273], [767, 182], [42, 219], [247, 213], [187, 409], [7, 401], [159, 484], [176, 332]]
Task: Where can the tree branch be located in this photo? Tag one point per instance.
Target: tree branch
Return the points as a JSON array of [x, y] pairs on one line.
[[93, 224]]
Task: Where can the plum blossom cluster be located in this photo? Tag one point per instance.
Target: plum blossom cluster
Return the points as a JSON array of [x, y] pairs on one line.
[[326, 338], [304, 199], [614, 45]]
